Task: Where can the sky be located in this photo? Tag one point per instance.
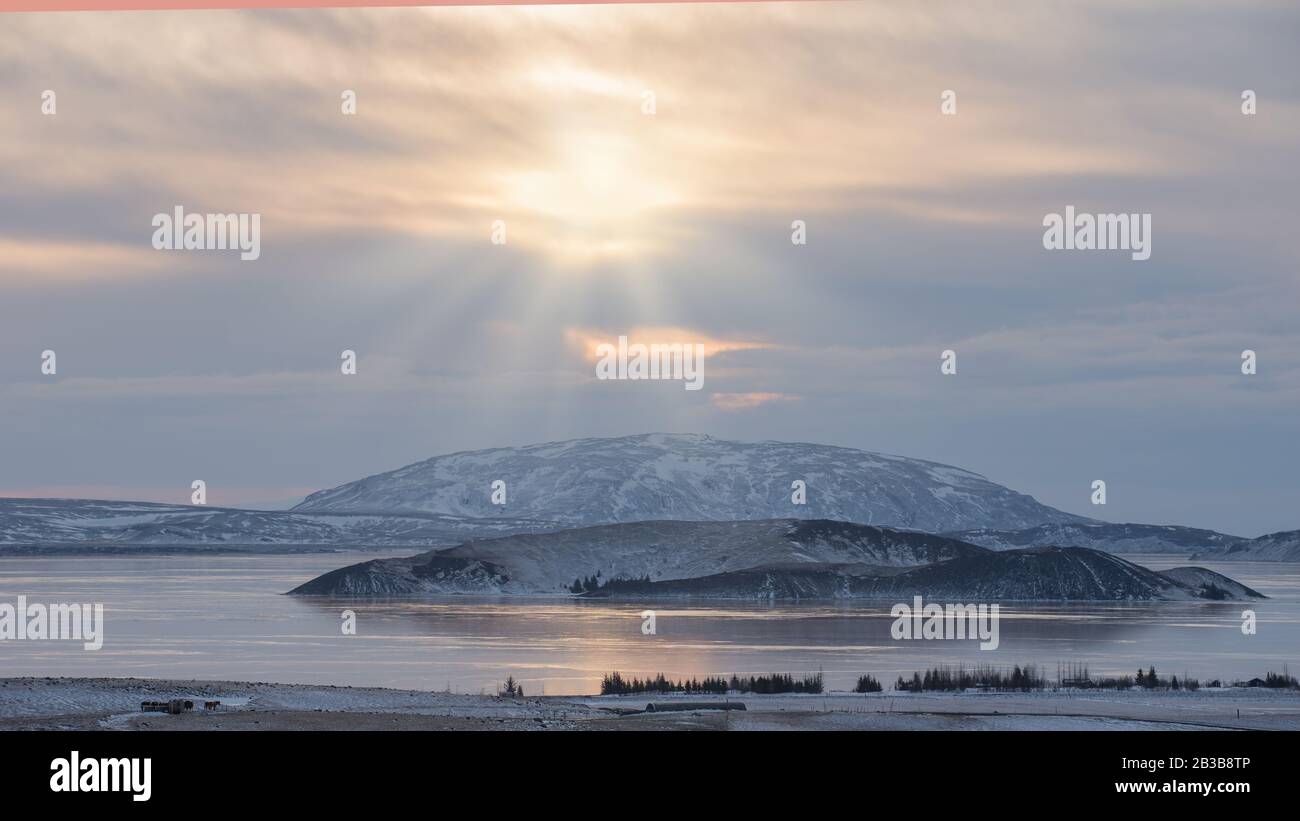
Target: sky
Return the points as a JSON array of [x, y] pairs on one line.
[[923, 234]]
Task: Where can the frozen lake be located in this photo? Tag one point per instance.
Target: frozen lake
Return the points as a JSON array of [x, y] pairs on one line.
[[224, 617]]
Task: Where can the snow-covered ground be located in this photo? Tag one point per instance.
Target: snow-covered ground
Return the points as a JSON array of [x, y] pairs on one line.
[[111, 704]]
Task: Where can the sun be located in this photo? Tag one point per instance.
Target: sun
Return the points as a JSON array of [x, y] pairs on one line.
[[596, 195]]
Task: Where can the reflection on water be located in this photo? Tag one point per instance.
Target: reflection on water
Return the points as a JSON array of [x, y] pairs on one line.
[[224, 617]]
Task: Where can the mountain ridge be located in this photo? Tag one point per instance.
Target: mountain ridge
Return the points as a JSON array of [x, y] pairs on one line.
[[1029, 574], [1283, 546], [692, 477], [1110, 537], [99, 526]]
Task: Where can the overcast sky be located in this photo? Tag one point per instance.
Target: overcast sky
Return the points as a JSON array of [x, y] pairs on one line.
[[924, 233]]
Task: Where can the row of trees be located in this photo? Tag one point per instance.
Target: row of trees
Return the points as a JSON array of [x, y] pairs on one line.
[[1151, 681], [592, 584], [613, 684], [1281, 680], [616, 684], [587, 585], [777, 683], [1021, 679], [1076, 676], [941, 679]]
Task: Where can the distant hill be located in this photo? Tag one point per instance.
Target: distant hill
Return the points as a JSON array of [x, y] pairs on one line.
[[1112, 538], [1035, 574], [1275, 547], [550, 562], [686, 477], [783, 558], [85, 526]]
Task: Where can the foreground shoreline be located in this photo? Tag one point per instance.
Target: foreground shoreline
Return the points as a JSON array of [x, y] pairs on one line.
[[113, 704]]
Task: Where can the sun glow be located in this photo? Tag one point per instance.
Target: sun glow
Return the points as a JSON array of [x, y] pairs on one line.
[[596, 197]]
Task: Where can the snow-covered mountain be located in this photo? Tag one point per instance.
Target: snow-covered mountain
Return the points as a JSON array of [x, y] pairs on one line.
[[75, 525], [551, 562], [690, 477], [1112, 538], [1275, 547]]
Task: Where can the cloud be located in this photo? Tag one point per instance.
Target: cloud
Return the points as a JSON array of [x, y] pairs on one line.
[[746, 401], [924, 234], [534, 116], [585, 341], [32, 262]]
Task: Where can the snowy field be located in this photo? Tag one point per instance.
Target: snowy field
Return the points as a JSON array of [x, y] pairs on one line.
[[113, 704]]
